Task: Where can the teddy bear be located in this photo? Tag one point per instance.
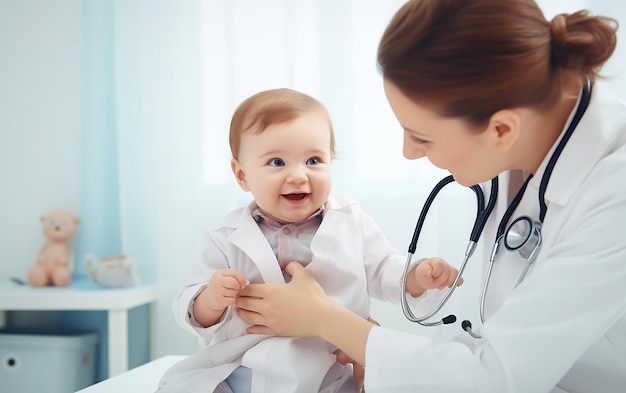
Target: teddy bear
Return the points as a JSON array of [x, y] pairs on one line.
[[53, 263]]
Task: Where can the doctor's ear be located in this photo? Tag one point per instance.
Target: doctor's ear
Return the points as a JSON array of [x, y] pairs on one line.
[[239, 173], [504, 126]]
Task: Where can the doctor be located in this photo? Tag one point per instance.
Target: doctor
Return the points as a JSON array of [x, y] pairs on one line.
[[488, 88]]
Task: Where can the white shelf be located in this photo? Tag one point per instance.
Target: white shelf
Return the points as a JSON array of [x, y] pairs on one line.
[[81, 295], [21, 297]]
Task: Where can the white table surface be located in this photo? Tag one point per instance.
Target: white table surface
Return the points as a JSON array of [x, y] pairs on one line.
[[142, 379], [81, 295]]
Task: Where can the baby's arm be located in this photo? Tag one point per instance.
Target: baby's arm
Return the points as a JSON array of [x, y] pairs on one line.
[[431, 273], [220, 293]]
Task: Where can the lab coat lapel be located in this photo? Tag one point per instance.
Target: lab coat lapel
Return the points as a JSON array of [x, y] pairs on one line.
[[334, 224], [595, 134], [249, 239], [334, 260]]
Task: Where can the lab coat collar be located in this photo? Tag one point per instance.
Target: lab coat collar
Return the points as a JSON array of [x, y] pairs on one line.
[[339, 202], [245, 227], [597, 131], [248, 237], [237, 217], [262, 219]]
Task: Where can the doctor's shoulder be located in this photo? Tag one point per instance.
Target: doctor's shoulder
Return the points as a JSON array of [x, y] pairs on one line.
[[597, 207], [607, 144]]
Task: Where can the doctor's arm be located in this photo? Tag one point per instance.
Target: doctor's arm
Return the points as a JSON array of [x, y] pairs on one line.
[[301, 308]]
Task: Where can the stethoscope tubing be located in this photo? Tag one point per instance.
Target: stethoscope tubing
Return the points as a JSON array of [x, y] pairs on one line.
[[422, 320], [482, 216]]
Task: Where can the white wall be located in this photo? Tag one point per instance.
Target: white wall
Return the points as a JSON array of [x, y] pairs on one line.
[[41, 56]]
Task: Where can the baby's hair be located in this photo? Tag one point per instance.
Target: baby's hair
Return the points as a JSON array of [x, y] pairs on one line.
[[271, 107]]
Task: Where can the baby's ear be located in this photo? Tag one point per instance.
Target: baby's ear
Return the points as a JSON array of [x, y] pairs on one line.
[[240, 174]]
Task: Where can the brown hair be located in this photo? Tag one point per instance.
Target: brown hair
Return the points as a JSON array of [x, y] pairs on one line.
[[470, 59], [271, 107]]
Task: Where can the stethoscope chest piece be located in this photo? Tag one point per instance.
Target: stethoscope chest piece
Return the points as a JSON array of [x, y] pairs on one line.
[[523, 235]]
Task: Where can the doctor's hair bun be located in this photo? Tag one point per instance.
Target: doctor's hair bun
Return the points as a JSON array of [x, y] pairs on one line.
[[582, 42], [470, 59]]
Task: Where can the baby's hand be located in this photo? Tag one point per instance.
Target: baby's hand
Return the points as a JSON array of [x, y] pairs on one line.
[[435, 273], [223, 288]]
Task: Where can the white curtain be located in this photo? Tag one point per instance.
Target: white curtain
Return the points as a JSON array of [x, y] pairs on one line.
[[182, 67]]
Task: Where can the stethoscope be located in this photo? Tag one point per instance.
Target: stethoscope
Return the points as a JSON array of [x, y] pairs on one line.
[[522, 235]]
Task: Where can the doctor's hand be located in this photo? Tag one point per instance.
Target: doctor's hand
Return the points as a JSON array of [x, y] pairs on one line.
[[293, 309], [431, 273]]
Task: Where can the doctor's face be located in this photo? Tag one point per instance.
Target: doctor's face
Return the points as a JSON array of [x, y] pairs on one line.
[[287, 166], [449, 143]]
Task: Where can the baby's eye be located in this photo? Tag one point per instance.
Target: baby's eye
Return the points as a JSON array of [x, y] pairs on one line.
[[64, 223], [52, 223], [276, 162], [313, 161]]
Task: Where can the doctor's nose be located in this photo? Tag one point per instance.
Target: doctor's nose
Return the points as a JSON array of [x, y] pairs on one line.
[[411, 150]]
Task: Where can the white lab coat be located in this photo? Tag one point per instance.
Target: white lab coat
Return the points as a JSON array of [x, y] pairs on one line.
[[563, 329], [352, 261]]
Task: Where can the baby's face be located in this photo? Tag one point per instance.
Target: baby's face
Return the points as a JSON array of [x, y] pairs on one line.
[[287, 167]]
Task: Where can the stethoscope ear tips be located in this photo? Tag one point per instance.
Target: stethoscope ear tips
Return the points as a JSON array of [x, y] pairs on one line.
[[467, 326], [449, 319]]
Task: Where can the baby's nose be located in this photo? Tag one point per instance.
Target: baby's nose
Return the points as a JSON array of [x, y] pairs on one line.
[[297, 175]]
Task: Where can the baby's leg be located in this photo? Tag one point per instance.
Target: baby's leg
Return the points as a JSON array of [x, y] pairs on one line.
[[223, 388], [240, 380]]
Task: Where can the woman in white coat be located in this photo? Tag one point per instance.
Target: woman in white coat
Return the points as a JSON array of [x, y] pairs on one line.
[[282, 144], [488, 88]]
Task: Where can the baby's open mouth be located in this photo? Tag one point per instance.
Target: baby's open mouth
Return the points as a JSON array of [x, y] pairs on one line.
[[296, 197]]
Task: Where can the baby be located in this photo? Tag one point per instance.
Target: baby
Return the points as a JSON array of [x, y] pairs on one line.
[[283, 144]]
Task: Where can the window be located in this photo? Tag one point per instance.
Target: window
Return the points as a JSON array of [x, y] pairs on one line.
[[325, 49]]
